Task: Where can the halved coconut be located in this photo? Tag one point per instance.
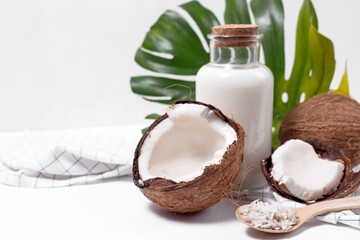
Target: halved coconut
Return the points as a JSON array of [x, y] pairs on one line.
[[189, 158], [296, 172]]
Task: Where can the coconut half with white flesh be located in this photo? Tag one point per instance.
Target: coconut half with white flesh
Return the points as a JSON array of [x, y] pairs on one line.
[[304, 174], [309, 172], [189, 158]]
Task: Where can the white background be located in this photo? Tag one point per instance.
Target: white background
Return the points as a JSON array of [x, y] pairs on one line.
[[68, 63]]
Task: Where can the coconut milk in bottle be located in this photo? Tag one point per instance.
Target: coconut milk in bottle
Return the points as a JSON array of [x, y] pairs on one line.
[[242, 88]]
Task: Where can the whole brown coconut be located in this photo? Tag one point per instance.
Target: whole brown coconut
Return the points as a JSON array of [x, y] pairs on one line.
[[327, 120], [211, 186]]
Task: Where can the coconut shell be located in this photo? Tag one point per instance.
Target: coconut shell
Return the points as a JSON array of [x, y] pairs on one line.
[[331, 119], [205, 190], [349, 183]]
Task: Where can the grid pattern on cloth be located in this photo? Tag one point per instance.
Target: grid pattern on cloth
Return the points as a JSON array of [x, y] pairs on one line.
[[66, 157]]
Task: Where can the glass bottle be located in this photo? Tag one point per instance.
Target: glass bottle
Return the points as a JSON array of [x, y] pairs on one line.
[[242, 88]]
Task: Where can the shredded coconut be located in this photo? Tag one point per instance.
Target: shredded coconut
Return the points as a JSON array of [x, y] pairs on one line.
[[269, 216]]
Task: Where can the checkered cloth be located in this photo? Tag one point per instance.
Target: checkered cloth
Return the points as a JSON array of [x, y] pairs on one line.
[[60, 158]]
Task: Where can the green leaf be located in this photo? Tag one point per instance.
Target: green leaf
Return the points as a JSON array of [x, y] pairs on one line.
[[322, 62], [172, 46], [152, 116], [144, 130], [313, 68], [277, 119], [302, 64], [203, 17], [236, 11], [314, 63], [181, 51], [160, 87], [344, 85], [269, 16]]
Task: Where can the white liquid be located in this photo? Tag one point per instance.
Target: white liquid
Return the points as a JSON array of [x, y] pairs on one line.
[[244, 93]]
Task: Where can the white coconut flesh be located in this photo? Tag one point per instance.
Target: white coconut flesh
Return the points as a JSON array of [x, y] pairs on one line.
[[304, 174], [182, 145]]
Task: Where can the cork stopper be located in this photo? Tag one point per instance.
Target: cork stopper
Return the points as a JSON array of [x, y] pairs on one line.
[[235, 35]]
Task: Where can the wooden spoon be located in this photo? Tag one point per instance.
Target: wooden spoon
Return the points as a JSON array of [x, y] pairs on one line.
[[304, 213]]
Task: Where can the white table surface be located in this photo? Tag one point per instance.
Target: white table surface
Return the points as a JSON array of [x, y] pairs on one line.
[[118, 210]]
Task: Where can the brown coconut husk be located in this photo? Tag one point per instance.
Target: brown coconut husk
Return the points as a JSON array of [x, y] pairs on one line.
[[328, 118], [205, 190], [349, 183]]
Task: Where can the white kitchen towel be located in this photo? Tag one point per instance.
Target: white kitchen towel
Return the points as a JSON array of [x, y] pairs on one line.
[[57, 158]]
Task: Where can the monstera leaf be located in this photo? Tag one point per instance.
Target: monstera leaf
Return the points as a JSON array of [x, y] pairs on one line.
[[173, 50], [172, 46]]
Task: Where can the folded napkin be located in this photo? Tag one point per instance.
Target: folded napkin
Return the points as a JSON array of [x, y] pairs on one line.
[[57, 158], [66, 157]]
